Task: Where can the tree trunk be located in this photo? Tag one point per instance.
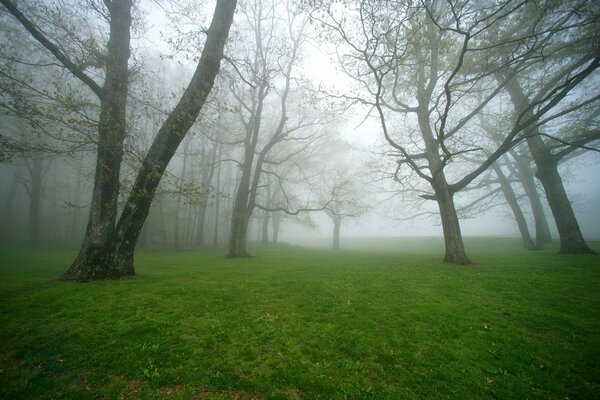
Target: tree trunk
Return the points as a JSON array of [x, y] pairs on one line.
[[453, 242], [337, 222], [117, 258], [111, 134], [527, 178], [571, 239], [239, 231], [512, 201]]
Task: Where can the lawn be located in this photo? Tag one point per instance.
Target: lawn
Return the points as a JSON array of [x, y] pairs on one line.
[[296, 323]]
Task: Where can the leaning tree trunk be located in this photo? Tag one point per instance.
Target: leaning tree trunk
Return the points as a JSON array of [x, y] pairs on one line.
[[571, 238], [511, 199], [111, 134], [117, 258], [453, 242]]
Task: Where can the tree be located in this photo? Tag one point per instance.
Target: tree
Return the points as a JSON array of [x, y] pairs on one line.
[[107, 250], [429, 69], [272, 109], [513, 203]]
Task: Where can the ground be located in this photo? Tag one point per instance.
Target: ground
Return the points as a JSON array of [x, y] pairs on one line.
[[295, 323]]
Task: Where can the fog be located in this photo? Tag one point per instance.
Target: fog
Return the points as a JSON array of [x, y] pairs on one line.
[[327, 156]]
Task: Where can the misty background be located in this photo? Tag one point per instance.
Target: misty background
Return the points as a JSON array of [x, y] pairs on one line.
[[48, 121]]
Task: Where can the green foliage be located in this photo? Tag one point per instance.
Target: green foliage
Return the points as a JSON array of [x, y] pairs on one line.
[[293, 323]]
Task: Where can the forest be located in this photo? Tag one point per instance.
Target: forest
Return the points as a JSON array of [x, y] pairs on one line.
[[340, 149]]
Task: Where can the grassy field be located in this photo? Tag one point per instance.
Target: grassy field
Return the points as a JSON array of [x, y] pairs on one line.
[[294, 323]]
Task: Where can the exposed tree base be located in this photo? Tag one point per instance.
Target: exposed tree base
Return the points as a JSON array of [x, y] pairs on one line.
[[575, 248], [99, 266]]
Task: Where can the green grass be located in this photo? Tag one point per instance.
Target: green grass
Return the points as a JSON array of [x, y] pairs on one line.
[[293, 323]]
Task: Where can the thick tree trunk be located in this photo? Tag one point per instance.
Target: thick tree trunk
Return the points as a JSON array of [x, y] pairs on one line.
[[117, 258], [239, 232], [571, 238], [453, 242], [337, 223], [513, 203], [111, 134], [527, 178]]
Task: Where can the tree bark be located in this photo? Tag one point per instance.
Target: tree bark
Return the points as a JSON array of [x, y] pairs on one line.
[[239, 231], [571, 238], [454, 247], [112, 128], [513, 203], [116, 259]]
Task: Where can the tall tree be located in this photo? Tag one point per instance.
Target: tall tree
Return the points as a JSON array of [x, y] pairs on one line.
[[271, 86], [117, 259]]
